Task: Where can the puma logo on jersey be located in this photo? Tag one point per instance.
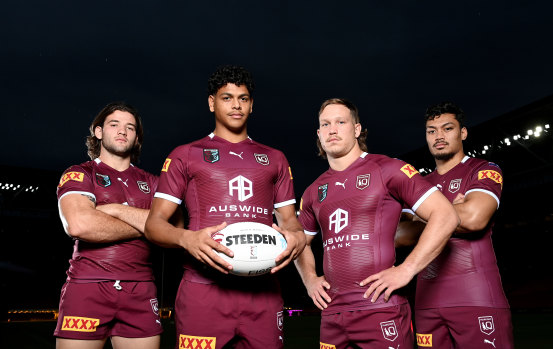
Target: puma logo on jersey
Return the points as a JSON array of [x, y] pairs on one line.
[[123, 181], [492, 342], [239, 155], [342, 184]]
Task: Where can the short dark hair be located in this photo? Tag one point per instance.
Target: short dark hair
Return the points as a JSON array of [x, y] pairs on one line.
[[93, 143], [361, 140], [230, 74], [445, 108]]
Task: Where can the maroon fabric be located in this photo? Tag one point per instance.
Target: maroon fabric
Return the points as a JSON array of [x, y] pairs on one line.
[[98, 310], [124, 260], [357, 210]]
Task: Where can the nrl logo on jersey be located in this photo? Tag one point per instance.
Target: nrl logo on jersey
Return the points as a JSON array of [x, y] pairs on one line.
[[321, 194], [103, 180], [144, 187], [455, 185], [211, 155], [362, 181], [263, 159]]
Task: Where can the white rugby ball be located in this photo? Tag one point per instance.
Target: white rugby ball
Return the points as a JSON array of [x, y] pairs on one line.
[[255, 247]]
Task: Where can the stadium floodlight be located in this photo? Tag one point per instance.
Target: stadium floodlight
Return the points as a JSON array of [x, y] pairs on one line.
[[526, 137], [483, 152], [506, 140], [537, 134], [539, 129], [529, 132], [547, 126], [486, 147]]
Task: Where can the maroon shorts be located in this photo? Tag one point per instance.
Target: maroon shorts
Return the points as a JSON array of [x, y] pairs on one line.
[[464, 327], [209, 316], [98, 310], [388, 327]]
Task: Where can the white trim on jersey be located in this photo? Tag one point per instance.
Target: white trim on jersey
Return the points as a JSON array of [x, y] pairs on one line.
[[407, 210], [312, 233], [422, 198], [168, 197], [363, 155], [487, 192], [62, 217], [285, 203], [465, 159]]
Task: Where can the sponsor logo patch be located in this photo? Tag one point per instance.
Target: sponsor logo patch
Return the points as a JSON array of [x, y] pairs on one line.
[[409, 170], [263, 159], [321, 193], [280, 320], [489, 174], [211, 155], [486, 324], [339, 219], [389, 330], [193, 342], [144, 187], [71, 176], [362, 181], [103, 180], [79, 324], [155, 307], [166, 164], [242, 186], [455, 185], [326, 346], [424, 340]]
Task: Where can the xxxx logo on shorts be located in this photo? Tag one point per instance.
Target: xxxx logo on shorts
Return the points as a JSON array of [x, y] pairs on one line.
[[71, 176], [326, 346], [493, 175], [424, 340], [409, 170], [192, 342], [79, 324]]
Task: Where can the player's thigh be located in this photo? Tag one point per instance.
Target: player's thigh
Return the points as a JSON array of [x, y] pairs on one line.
[[261, 319], [432, 330], [65, 343], [135, 343], [480, 327], [205, 315], [332, 332], [138, 313], [86, 311]]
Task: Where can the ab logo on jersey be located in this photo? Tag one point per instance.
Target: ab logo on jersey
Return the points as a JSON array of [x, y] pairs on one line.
[[166, 164], [389, 330], [71, 176], [409, 170], [321, 193], [424, 340], [493, 175], [193, 342], [326, 346], [211, 155], [103, 180], [79, 324], [339, 219], [242, 186]]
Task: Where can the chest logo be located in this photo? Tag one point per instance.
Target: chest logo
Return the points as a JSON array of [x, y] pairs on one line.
[[339, 219], [455, 185], [144, 187], [103, 180], [211, 155], [242, 187], [486, 324], [493, 175], [321, 193], [71, 176], [236, 154], [263, 159], [362, 181], [409, 170], [343, 185]]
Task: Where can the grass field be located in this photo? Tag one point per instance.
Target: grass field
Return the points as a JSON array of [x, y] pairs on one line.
[[532, 330]]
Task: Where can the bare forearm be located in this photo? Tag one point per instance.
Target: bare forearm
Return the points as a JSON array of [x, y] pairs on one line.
[[163, 233], [99, 227], [305, 264], [133, 216]]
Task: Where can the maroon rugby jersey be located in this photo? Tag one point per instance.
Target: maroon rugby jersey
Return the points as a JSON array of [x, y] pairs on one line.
[[124, 260], [220, 181], [465, 273], [357, 210]]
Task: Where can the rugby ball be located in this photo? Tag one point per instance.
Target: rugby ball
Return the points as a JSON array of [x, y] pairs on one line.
[[255, 247]]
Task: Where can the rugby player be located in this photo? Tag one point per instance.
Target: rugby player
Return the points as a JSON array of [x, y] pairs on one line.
[[225, 178], [356, 205], [103, 205], [460, 301]]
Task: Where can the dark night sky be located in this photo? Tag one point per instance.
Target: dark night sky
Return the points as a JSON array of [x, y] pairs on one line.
[[62, 61]]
